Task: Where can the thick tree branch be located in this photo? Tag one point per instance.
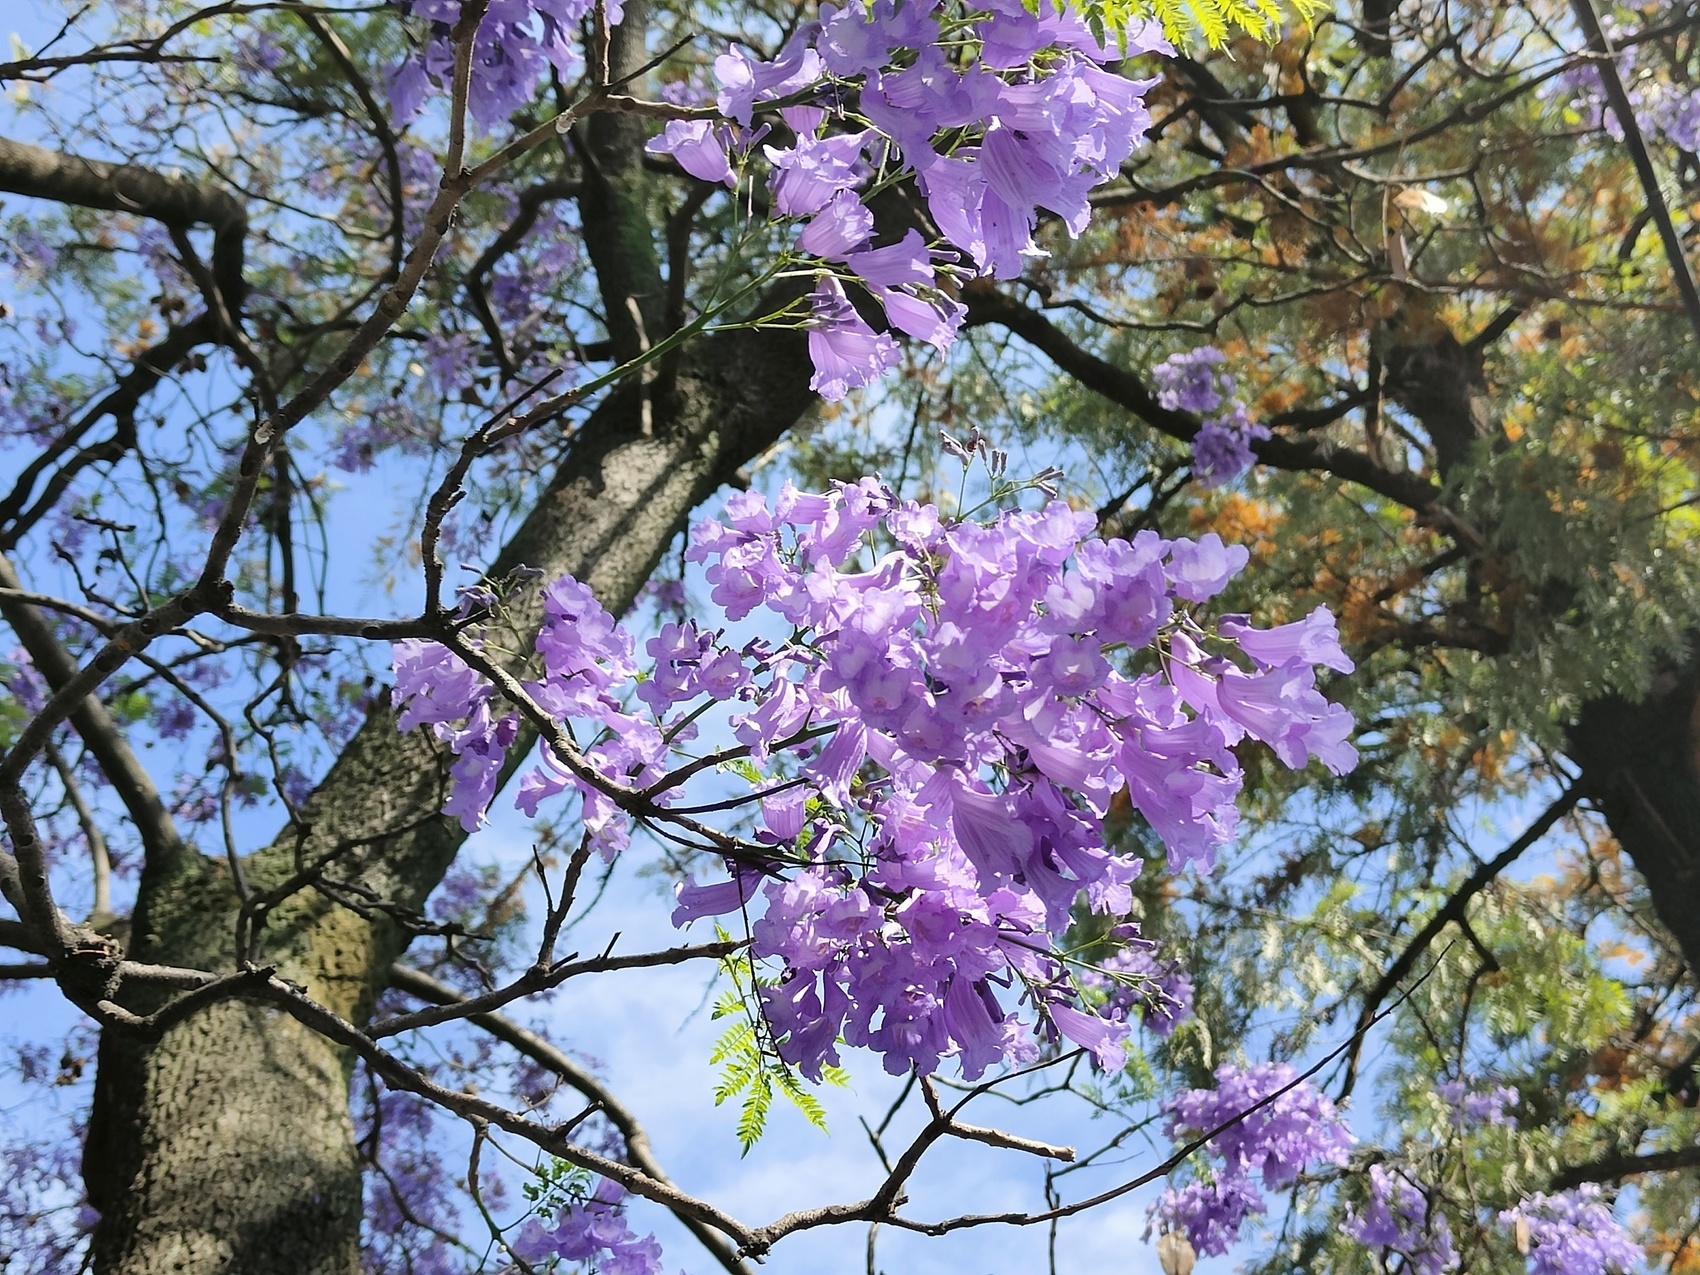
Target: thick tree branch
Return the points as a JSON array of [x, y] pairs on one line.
[[174, 201], [1605, 66], [987, 305], [1614, 1168]]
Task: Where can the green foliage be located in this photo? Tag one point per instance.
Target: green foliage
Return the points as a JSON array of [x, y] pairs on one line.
[[1185, 22], [750, 1066], [554, 1184]]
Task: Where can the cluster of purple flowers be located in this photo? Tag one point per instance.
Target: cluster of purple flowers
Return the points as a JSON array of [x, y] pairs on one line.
[[997, 113], [1482, 1106], [1196, 382], [1261, 1149], [1662, 105], [517, 41], [942, 735], [22, 682], [1136, 978], [1572, 1233], [1397, 1217], [593, 1234]]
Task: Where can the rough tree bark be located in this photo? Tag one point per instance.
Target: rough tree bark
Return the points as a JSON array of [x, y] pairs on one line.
[[227, 1146]]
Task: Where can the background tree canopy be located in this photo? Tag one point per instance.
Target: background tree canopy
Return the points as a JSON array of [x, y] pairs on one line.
[[335, 335]]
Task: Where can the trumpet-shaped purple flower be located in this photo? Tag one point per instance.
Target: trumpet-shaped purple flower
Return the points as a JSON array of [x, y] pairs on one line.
[[806, 176], [699, 146], [1312, 640], [745, 81], [838, 229], [846, 352]]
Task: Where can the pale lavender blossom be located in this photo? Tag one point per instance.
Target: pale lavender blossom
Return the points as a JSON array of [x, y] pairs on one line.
[[700, 147], [845, 351]]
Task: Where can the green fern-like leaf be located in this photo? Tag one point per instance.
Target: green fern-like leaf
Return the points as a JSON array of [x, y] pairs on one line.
[[1185, 21], [801, 1098], [738, 1041], [752, 1120]]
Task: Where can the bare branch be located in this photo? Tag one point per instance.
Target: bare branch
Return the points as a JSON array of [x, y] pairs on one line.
[[1452, 910], [533, 1046]]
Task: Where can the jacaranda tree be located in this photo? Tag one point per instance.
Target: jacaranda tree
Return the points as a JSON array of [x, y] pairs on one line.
[[1056, 531]]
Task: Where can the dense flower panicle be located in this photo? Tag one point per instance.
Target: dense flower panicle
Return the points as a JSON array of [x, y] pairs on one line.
[[1573, 1233], [516, 44], [1267, 1148], [941, 736], [1397, 1217]]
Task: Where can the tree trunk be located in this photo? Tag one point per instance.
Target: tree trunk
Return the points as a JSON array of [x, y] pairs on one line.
[[1641, 764], [227, 1146]]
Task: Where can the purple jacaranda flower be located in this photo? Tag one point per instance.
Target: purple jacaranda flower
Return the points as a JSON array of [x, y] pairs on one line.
[[804, 120], [1273, 1126], [807, 175], [1200, 569], [855, 41], [1105, 1040], [258, 53], [1283, 708], [1135, 978], [940, 735], [1481, 1107], [911, 105], [1397, 1217], [1677, 115], [700, 148], [906, 261], [1036, 169], [931, 317], [783, 813], [714, 899], [1222, 448], [845, 351], [1192, 381], [976, 1024], [744, 81], [592, 1232], [839, 229], [1312, 640]]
